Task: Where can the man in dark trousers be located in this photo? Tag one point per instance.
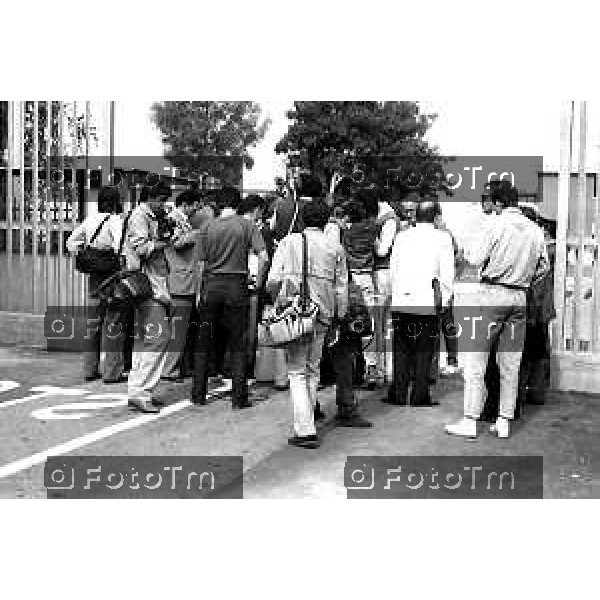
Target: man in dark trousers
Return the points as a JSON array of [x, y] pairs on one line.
[[223, 302], [420, 255], [182, 282]]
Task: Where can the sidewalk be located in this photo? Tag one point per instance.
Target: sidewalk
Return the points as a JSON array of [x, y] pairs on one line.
[[563, 431]]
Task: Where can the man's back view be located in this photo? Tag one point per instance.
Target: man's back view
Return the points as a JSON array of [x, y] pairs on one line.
[[223, 307], [510, 254]]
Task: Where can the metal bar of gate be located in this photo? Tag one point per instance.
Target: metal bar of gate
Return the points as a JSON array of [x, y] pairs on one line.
[[70, 298], [578, 308], [9, 202], [34, 209], [596, 274], [48, 201], [81, 280], [22, 133], [560, 264], [61, 225]]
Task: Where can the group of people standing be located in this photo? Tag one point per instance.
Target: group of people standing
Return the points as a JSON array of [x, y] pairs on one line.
[[222, 261]]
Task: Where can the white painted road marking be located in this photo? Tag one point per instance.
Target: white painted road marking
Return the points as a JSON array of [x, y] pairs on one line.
[[53, 413], [45, 391], [95, 436], [6, 386]]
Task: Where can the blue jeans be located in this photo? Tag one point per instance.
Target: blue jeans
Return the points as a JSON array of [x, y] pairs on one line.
[[502, 326]]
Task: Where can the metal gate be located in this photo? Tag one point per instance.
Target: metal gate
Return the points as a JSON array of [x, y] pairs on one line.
[[42, 198]]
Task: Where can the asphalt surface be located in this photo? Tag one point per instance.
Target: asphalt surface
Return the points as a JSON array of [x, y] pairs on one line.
[[35, 386]]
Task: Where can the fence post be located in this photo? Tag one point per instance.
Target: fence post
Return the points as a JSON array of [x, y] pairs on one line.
[[560, 264]]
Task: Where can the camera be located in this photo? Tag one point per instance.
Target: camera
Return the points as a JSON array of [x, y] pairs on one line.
[[166, 224]]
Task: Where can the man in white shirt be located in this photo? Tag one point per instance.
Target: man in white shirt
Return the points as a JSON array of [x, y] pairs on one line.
[[420, 256], [106, 329], [387, 222]]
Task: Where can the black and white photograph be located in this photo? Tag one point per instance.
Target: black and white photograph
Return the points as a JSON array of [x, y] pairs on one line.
[[294, 284], [333, 299]]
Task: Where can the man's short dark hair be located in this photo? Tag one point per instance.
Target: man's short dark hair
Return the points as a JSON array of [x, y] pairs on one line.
[[369, 197], [316, 214], [355, 210], [109, 199], [250, 203], [427, 210], [310, 187], [502, 192], [187, 198], [160, 190], [228, 197]]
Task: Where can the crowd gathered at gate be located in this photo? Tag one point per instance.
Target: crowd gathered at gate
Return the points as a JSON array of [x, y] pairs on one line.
[[356, 288]]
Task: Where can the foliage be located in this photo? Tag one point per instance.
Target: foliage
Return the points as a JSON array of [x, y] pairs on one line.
[[381, 142], [204, 136]]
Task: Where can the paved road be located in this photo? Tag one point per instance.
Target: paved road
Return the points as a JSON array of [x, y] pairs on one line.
[[46, 410]]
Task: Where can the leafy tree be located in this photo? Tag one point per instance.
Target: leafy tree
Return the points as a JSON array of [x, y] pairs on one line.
[[204, 136], [369, 142]]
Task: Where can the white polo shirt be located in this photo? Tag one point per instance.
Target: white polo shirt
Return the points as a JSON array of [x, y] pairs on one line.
[[419, 255]]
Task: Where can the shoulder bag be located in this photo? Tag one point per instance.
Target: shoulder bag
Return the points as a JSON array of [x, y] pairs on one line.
[[297, 320], [126, 287], [94, 260]]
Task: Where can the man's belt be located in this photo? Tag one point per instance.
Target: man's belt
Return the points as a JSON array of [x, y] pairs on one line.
[[509, 286], [238, 275]]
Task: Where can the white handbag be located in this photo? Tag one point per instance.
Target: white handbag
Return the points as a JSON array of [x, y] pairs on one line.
[[294, 322]]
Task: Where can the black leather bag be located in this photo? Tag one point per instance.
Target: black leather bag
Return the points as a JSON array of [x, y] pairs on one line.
[[94, 260], [126, 287]]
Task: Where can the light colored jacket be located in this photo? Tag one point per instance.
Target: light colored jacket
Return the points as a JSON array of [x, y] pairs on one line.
[[140, 253], [108, 237], [183, 264], [510, 251], [327, 271]]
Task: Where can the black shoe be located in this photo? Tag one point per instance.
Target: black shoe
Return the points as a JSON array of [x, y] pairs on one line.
[[241, 405], [158, 402], [119, 379], [199, 402], [92, 377], [176, 379], [392, 401], [535, 400], [143, 406], [352, 421], [487, 417], [427, 403], [318, 414], [304, 441]]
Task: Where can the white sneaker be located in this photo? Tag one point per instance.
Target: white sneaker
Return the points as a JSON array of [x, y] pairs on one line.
[[501, 427], [448, 370], [464, 428]]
